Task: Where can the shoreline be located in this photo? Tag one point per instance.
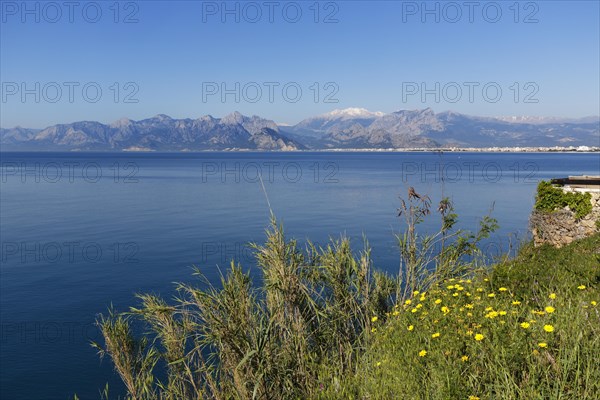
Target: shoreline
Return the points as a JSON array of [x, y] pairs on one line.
[[580, 149]]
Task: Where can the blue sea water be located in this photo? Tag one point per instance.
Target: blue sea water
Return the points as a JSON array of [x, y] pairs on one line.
[[82, 231]]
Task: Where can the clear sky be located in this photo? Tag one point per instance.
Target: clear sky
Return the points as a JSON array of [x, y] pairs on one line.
[[192, 58]]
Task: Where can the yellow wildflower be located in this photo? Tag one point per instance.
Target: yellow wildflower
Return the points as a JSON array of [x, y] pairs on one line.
[[502, 289], [374, 319], [438, 301], [581, 287], [435, 335], [552, 296], [445, 310], [407, 302], [525, 325], [549, 309], [464, 358], [479, 337], [516, 303], [548, 328], [411, 327], [422, 353], [492, 295], [543, 344]]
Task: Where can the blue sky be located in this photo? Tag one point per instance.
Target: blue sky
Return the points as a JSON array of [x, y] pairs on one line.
[[538, 58]]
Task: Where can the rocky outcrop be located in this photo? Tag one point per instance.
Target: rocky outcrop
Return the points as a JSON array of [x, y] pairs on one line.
[[561, 227]]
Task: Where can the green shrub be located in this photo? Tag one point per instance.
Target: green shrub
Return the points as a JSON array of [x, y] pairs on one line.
[[550, 198], [308, 319]]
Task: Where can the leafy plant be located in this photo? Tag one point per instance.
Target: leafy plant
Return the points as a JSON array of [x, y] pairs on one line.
[[550, 198], [429, 258]]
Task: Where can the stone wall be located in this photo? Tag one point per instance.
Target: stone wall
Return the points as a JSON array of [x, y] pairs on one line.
[[560, 228]]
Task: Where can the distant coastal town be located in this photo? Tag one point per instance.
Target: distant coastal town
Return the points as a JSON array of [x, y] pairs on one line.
[[555, 149]]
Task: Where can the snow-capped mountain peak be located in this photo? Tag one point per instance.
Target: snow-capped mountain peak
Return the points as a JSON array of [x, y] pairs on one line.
[[120, 123], [354, 112]]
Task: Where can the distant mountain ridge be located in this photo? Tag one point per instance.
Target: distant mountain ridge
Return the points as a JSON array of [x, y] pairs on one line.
[[425, 128], [160, 133], [352, 128]]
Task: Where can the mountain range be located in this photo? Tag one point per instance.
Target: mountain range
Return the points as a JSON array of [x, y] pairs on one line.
[[351, 128]]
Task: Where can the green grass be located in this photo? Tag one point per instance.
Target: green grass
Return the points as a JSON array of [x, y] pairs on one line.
[[513, 306]]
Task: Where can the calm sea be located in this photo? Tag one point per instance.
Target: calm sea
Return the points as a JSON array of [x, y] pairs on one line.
[[80, 231]]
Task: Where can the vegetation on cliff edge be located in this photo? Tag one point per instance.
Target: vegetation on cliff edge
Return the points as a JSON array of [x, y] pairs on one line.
[[323, 323]]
